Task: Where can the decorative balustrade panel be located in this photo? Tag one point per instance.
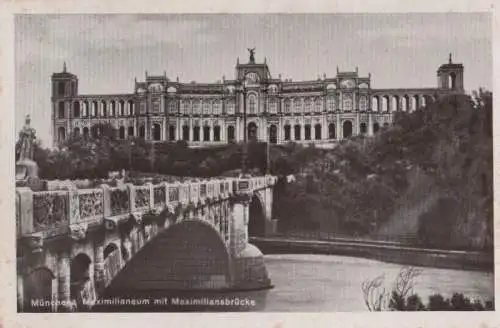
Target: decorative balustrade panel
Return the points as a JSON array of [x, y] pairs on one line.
[[91, 203], [120, 201], [142, 195], [173, 194], [159, 195], [49, 210]]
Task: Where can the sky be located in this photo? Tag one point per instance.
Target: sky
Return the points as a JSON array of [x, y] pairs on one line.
[[107, 52]]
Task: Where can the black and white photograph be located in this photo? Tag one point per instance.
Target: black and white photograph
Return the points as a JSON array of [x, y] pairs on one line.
[[254, 162]]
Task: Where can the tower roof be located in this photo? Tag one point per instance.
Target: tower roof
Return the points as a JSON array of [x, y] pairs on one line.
[[64, 73]]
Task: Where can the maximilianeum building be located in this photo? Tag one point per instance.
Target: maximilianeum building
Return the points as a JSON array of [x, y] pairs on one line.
[[276, 110]]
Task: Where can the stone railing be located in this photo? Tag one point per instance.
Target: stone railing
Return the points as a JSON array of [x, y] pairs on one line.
[[58, 211]]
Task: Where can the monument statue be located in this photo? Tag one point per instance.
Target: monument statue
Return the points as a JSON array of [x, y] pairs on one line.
[[26, 167], [252, 55]]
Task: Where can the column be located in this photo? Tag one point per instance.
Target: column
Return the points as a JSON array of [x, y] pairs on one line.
[[338, 127], [190, 129], [211, 134], [356, 129], [370, 124], [178, 132], [64, 282], [237, 129], [324, 128], [99, 266]]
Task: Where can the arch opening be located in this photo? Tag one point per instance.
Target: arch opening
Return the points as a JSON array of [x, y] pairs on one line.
[[273, 134], [257, 219], [38, 286], [347, 129], [252, 131], [80, 277]]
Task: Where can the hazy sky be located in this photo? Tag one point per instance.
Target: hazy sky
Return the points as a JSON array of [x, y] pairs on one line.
[[108, 51]]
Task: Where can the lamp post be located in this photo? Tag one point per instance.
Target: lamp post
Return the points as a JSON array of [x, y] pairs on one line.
[[244, 154]]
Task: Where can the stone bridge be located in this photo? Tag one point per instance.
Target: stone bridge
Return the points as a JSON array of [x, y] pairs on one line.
[[75, 244]]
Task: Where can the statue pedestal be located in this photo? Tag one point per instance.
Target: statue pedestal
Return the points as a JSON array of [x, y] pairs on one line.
[[27, 175]]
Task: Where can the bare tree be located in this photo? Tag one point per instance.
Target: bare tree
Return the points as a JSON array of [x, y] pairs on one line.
[[374, 294]]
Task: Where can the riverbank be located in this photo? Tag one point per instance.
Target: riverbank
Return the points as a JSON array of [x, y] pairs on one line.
[[381, 251]]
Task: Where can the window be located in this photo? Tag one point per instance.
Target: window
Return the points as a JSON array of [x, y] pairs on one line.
[[230, 133], [60, 110], [230, 106], [206, 133], [216, 133], [171, 132], [122, 132], [287, 132], [347, 103], [297, 105], [103, 111], [196, 133], [317, 132], [217, 107], [130, 131], [273, 106], [307, 132], [156, 132], [142, 131], [172, 106], [60, 90], [93, 110], [287, 105], [331, 131], [297, 132], [376, 127], [206, 107], [330, 103], [318, 105], [196, 107], [131, 107], [76, 109], [156, 104], [61, 133], [185, 133], [273, 134], [308, 105], [112, 108], [363, 103], [362, 128], [252, 106]]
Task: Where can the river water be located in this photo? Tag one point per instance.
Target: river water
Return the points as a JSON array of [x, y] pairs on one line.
[[321, 283], [333, 283]]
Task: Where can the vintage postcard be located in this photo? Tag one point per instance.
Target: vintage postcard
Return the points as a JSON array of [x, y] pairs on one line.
[[250, 163]]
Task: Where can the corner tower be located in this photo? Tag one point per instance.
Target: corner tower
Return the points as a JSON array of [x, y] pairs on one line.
[[64, 84], [451, 76]]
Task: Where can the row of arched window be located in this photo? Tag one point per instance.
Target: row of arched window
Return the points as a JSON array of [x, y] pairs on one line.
[[96, 108], [394, 103]]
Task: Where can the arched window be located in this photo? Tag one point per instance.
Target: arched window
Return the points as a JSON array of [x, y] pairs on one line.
[[376, 127], [405, 103], [330, 103], [363, 103], [230, 133], [93, 112], [252, 104], [307, 105], [85, 109], [347, 103], [76, 109], [375, 104], [85, 132], [102, 109], [385, 104], [230, 106], [287, 105], [452, 80], [130, 131], [94, 131], [122, 132], [171, 132], [347, 129], [185, 133], [273, 134], [362, 128], [216, 133], [130, 107], [296, 130], [273, 106], [112, 108], [307, 132], [121, 105], [196, 107], [252, 131], [206, 107], [297, 105], [318, 105], [287, 131], [76, 132], [156, 132], [317, 131], [394, 104], [206, 133], [142, 131], [217, 107], [60, 110], [172, 106], [331, 131], [196, 133]]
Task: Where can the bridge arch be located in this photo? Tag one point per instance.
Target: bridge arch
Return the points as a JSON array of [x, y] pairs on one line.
[[257, 217], [38, 286], [188, 255]]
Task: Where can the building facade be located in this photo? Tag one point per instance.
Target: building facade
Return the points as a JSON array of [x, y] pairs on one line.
[[276, 110]]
